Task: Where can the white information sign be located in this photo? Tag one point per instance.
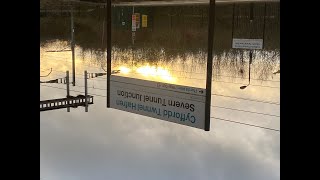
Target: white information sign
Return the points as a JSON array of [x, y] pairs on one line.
[[247, 43], [179, 104], [134, 23]]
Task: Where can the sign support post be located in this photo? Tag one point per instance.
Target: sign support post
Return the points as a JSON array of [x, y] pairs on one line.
[[108, 50], [72, 49], [86, 90], [68, 90], [209, 64]]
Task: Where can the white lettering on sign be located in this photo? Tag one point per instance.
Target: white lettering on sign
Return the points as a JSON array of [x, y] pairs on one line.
[[247, 43], [179, 104]]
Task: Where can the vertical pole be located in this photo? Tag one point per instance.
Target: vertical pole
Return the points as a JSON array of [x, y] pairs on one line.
[[171, 21], [133, 36], [250, 61], [86, 89], [251, 12], [202, 18], [72, 49], [68, 90], [133, 33], [232, 30], [209, 64], [264, 23], [108, 50], [251, 29], [102, 39]]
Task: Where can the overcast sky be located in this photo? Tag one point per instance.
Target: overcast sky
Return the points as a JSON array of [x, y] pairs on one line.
[[109, 144]]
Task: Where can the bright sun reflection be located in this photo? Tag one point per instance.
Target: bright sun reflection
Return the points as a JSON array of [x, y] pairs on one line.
[[155, 72], [124, 70]]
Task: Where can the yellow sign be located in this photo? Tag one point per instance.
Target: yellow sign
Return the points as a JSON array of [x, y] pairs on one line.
[[144, 21], [137, 20]]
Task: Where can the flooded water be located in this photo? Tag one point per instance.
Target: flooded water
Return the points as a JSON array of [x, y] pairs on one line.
[[244, 141]]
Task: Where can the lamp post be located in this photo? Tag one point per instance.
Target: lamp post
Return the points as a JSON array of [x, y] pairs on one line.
[[250, 54], [250, 61]]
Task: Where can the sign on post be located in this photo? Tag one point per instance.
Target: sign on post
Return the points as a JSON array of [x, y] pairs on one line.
[[133, 35], [178, 104], [144, 21], [247, 43], [134, 28], [184, 105], [137, 20]]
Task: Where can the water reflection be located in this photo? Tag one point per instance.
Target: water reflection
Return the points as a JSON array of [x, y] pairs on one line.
[[172, 49], [174, 34], [183, 71]]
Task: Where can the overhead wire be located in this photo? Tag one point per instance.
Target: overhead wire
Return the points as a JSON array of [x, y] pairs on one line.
[[62, 72], [72, 90], [254, 100], [247, 124], [253, 112], [47, 74]]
